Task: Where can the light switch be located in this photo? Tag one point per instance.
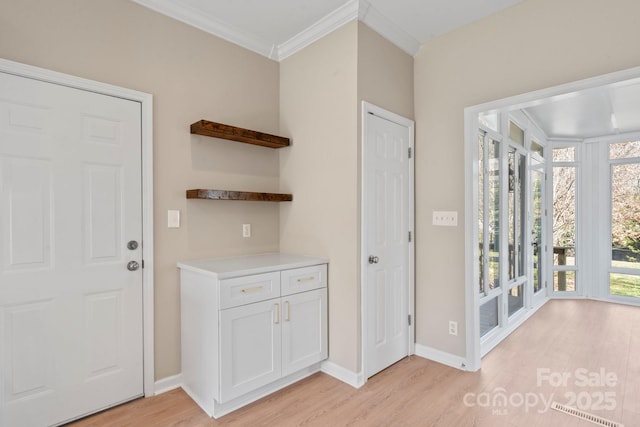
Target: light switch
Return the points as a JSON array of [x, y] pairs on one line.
[[246, 230], [173, 219], [447, 219]]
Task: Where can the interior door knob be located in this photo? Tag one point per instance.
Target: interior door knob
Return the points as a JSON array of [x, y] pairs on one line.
[[133, 265], [373, 259]]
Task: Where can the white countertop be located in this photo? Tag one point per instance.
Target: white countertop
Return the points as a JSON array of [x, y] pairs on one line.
[[224, 268]]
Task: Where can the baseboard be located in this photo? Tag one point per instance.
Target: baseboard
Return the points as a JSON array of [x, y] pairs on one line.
[[441, 357], [167, 384], [354, 379]]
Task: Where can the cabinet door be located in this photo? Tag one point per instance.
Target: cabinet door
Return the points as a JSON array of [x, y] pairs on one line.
[[304, 330], [250, 347]]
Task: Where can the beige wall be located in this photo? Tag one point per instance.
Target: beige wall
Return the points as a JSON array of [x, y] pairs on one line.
[[318, 108], [192, 76], [320, 90], [537, 44], [385, 73]]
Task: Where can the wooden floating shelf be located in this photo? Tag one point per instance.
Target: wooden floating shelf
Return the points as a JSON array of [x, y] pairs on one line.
[[238, 195], [218, 130]]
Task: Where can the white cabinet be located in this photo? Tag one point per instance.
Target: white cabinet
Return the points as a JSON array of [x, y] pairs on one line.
[[250, 325]]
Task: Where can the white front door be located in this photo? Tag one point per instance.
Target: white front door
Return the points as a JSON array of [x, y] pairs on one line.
[[387, 224], [70, 202]]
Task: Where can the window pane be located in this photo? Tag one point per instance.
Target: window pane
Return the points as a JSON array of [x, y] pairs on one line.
[[624, 150], [537, 178], [563, 255], [624, 285], [516, 134], [488, 316], [494, 214], [625, 215], [516, 299], [564, 281], [512, 217], [564, 215], [537, 148], [481, 172], [566, 154], [489, 120]]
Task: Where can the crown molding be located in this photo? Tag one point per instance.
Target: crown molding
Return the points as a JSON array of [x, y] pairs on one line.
[[353, 9], [370, 16], [209, 24], [331, 22]]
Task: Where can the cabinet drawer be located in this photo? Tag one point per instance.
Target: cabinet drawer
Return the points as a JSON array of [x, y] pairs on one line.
[[248, 289], [304, 279]]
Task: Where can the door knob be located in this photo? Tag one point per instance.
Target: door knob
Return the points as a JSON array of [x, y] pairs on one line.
[[373, 259], [133, 266]]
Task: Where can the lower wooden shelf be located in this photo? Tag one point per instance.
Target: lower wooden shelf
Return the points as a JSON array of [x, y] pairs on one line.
[[238, 195]]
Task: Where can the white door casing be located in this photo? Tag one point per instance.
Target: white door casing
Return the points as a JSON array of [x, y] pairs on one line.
[[71, 318], [387, 242]]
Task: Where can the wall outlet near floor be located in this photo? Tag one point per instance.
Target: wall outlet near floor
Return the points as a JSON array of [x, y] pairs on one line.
[[246, 230], [445, 218], [453, 327]]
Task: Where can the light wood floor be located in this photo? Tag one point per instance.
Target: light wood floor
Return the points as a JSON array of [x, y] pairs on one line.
[[563, 336]]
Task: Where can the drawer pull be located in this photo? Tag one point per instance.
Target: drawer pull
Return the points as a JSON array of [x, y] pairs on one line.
[[306, 279], [254, 289]]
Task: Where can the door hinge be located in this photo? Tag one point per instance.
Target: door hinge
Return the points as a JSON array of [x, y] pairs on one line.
[[409, 152], [409, 319], [142, 263], [409, 237]]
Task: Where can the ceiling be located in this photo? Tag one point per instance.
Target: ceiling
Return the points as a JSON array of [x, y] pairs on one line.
[[279, 28], [601, 111]]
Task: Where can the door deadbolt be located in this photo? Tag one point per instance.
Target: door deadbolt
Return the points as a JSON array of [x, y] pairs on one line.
[[373, 259], [132, 245]]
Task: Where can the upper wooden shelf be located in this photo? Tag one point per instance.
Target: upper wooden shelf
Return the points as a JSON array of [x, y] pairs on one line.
[[238, 195], [218, 130]]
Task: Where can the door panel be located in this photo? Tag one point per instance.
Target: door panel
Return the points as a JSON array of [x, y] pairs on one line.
[[70, 197], [387, 216]]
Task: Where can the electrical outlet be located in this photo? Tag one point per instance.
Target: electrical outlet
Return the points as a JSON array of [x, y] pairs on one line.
[[453, 327], [246, 230], [445, 218]]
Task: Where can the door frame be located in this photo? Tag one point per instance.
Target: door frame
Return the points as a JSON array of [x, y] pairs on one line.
[[366, 109], [146, 109]]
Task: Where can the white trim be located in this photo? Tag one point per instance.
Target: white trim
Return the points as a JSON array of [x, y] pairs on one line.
[[442, 357], [354, 379], [167, 384], [410, 125], [353, 9], [146, 102], [387, 29], [210, 24], [331, 22]]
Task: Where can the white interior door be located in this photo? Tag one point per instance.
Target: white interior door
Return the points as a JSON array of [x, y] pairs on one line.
[[387, 224], [70, 201]]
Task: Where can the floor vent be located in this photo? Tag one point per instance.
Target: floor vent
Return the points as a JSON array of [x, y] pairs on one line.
[[585, 415]]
